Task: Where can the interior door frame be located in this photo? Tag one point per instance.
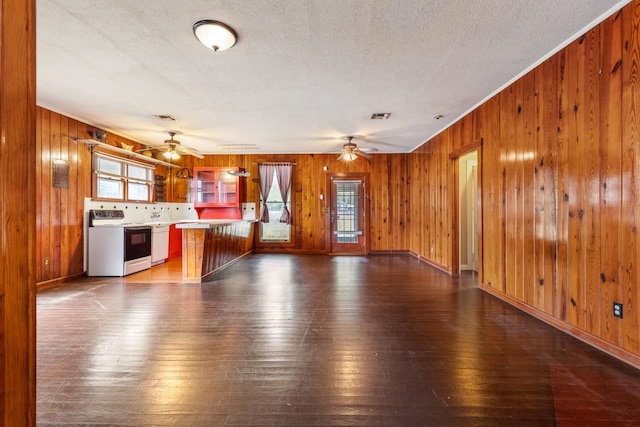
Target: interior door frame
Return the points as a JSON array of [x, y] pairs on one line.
[[455, 222], [364, 177]]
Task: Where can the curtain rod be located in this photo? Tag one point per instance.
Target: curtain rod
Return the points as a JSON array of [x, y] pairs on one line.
[[276, 163]]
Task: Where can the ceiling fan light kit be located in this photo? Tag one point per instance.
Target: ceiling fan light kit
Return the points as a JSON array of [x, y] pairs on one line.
[[171, 154], [350, 151], [348, 156], [215, 35]]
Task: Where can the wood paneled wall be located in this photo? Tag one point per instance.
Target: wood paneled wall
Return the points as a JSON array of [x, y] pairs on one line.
[[60, 222], [388, 196], [17, 213], [432, 190], [560, 188]]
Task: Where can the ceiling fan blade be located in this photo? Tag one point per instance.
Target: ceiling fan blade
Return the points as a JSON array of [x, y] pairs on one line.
[[189, 151], [148, 148], [359, 152]]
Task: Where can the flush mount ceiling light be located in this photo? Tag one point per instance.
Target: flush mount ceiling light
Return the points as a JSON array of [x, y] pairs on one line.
[[215, 35]]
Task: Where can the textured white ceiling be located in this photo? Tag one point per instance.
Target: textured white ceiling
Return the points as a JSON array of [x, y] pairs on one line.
[[303, 74]]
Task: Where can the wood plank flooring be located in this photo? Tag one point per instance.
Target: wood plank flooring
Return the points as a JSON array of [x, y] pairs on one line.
[[285, 340]]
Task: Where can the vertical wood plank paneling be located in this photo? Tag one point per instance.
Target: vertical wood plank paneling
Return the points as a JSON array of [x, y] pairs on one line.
[[518, 209], [64, 208], [491, 195], [548, 124], [38, 179], [631, 175], [73, 214], [397, 180], [435, 219], [380, 194], [307, 201], [55, 201], [610, 173], [80, 168], [419, 211], [429, 244], [44, 205], [508, 103], [440, 214], [528, 194], [447, 195], [562, 179], [538, 193], [575, 81], [432, 206], [17, 212], [590, 105]]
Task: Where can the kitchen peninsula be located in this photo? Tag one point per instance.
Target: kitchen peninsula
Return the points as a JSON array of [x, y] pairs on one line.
[[210, 245]]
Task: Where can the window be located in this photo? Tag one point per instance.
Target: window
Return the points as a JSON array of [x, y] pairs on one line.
[[347, 209], [121, 179], [275, 221]]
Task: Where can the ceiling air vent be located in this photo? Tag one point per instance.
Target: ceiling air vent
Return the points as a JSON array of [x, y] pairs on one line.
[[380, 116], [165, 117]]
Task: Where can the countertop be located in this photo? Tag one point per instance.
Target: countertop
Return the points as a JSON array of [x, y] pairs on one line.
[[207, 223]]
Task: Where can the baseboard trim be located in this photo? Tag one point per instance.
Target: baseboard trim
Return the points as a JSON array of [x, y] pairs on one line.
[[59, 280], [288, 251], [431, 263], [390, 252], [596, 342]]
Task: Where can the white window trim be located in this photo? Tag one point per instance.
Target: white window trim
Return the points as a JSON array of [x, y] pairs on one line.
[[125, 163]]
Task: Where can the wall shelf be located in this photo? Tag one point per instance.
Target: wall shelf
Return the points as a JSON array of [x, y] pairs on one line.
[[92, 143]]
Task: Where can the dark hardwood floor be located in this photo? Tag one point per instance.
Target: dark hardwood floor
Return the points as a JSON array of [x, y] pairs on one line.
[[286, 340]]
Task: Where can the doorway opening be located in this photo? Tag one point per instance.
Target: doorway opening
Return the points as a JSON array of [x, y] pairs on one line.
[[468, 211]]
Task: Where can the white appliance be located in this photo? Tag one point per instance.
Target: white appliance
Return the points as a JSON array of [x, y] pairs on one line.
[[159, 243], [115, 247]]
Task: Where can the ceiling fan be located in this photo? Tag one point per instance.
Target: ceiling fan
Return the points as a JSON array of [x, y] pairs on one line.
[[350, 151], [173, 149]]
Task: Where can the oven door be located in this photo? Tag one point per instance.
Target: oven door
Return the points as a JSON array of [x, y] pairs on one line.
[[137, 242]]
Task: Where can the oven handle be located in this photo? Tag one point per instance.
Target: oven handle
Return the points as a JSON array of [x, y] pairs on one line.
[[138, 228]]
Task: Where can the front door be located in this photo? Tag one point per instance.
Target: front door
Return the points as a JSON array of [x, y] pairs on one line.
[[347, 216]]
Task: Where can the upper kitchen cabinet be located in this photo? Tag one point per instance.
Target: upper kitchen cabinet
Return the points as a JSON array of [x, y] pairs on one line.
[[217, 193]]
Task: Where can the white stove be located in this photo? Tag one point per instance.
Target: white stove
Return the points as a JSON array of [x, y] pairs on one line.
[[117, 247]]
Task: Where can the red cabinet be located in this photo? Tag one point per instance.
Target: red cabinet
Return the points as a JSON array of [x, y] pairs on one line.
[[216, 193], [175, 242]]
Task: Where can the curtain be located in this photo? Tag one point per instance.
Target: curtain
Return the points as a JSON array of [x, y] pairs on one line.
[[265, 171], [283, 174]]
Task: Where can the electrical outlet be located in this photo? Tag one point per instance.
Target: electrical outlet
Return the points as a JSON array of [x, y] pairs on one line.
[[617, 309]]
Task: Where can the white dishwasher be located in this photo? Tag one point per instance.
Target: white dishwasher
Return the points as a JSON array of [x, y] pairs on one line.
[[159, 243]]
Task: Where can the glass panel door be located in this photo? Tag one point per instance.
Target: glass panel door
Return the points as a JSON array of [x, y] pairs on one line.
[[227, 188], [348, 228], [205, 186]]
